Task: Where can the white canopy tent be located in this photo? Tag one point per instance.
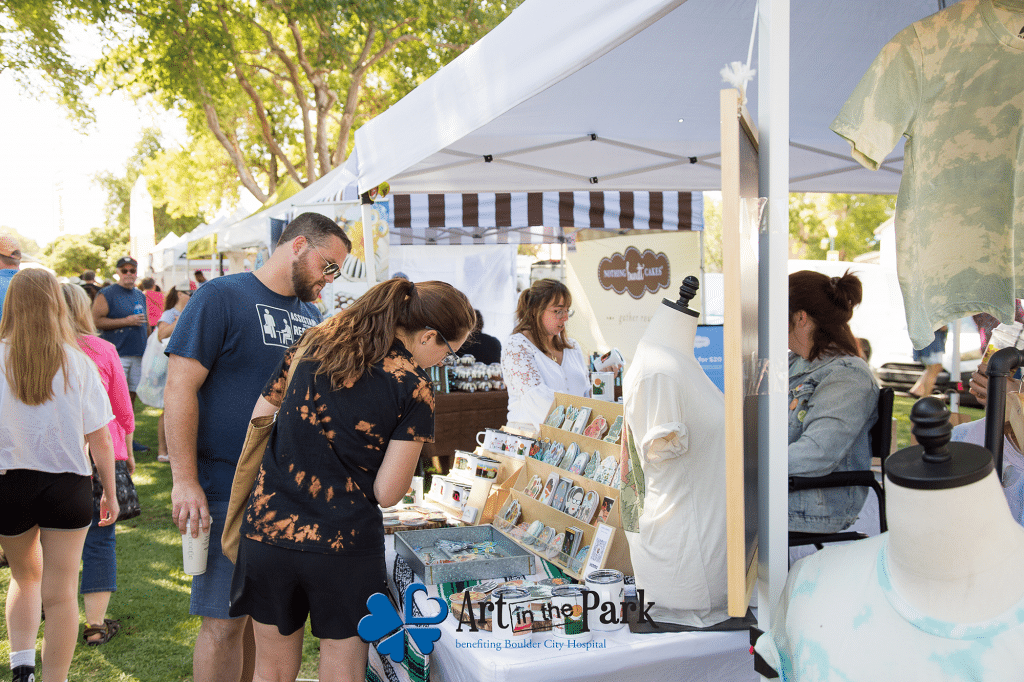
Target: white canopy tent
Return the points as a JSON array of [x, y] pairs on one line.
[[254, 231], [624, 95]]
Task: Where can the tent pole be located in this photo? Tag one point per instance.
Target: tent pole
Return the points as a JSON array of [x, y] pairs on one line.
[[773, 296], [371, 262]]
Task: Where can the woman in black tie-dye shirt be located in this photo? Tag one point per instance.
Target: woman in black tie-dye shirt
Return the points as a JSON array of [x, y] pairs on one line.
[[347, 439]]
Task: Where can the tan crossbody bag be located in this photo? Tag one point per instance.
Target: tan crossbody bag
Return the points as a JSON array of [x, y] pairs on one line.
[[256, 437]]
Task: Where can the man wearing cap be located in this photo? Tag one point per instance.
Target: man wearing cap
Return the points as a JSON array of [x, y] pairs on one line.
[[10, 261], [120, 314], [227, 343]]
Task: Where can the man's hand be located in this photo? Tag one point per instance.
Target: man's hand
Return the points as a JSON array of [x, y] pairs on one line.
[[189, 502]]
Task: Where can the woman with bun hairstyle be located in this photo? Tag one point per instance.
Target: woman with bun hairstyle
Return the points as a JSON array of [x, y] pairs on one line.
[[52, 404], [539, 358], [833, 399], [346, 442]]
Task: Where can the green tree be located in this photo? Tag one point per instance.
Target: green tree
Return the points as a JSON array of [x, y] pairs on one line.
[[712, 232], [280, 86], [166, 219], [854, 217], [32, 44], [71, 255]]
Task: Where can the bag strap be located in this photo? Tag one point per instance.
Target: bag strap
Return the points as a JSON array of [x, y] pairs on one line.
[[291, 370]]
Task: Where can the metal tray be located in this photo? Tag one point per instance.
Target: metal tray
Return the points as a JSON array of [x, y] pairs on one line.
[[518, 562]]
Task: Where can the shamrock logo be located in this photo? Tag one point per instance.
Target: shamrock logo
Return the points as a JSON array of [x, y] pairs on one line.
[[383, 622]]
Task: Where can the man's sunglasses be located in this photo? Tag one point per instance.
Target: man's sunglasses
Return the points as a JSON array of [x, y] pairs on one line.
[[331, 269], [127, 271]]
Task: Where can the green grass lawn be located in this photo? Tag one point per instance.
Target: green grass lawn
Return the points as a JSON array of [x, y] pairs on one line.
[[157, 633], [901, 410]]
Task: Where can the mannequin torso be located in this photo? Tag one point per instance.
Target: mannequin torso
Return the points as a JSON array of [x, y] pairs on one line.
[[675, 415], [956, 555]]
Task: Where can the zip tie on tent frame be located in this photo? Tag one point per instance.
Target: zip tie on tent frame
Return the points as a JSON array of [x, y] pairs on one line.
[[738, 74]]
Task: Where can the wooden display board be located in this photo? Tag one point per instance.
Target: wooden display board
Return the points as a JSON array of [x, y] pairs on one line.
[[616, 554], [741, 210]]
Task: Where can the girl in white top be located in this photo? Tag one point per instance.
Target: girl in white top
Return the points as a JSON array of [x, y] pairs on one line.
[[52, 403], [539, 359]]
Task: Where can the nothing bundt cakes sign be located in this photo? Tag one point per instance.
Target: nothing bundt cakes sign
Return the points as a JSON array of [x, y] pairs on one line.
[[634, 272]]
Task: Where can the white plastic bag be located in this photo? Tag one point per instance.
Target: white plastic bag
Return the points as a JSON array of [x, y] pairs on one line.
[[154, 372]]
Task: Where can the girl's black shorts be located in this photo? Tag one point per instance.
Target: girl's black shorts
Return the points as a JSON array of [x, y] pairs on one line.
[[281, 586], [31, 498]]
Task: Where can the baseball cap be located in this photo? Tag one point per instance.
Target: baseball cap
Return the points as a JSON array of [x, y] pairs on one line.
[[9, 246], [127, 260]]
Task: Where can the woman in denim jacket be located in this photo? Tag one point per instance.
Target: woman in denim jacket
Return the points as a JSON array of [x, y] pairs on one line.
[[833, 399]]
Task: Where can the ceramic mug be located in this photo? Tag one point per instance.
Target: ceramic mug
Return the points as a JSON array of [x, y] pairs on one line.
[[494, 440], [439, 487], [487, 468], [459, 494], [465, 463], [602, 385], [520, 447], [610, 587]]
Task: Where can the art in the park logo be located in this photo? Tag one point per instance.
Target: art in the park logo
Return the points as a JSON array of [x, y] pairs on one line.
[[633, 272], [592, 609], [383, 623]]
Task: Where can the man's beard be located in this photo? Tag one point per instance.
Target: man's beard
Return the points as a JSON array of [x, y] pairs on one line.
[[303, 283]]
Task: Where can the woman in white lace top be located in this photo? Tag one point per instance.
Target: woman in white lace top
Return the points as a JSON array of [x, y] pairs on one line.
[[539, 359]]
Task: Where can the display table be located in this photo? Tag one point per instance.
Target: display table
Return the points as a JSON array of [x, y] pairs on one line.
[[468, 657], [457, 419]]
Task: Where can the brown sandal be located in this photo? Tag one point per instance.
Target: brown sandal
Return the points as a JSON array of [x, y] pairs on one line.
[[105, 631]]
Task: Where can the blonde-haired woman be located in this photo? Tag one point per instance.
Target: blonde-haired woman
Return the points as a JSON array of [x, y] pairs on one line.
[[540, 358], [346, 442], [99, 556], [52, 404]]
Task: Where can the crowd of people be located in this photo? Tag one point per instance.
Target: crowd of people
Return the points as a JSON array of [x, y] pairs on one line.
[[72, 356], [351, 417]]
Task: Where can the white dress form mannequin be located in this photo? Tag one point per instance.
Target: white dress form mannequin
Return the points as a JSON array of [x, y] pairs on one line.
[[676, 415], [938, 597], [956, 554]]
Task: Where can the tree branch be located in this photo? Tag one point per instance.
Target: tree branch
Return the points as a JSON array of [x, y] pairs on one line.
[[300, 95], [260, 110]]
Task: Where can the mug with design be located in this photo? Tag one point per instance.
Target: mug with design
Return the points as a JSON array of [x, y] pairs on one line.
[[465, 463], [567, 613], [439, 488], [459, 494], [492, 439], [519, 446], [512, 613], [487, 468], [611, 588]]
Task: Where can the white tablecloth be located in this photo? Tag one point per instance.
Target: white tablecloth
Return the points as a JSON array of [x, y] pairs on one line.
[[622, 656]]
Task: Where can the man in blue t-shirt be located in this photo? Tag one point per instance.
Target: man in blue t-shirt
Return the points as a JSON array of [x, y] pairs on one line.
[[228, 341], [120, 314], [10, 261]]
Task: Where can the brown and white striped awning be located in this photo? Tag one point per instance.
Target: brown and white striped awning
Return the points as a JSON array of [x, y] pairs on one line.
[[536, 217]]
